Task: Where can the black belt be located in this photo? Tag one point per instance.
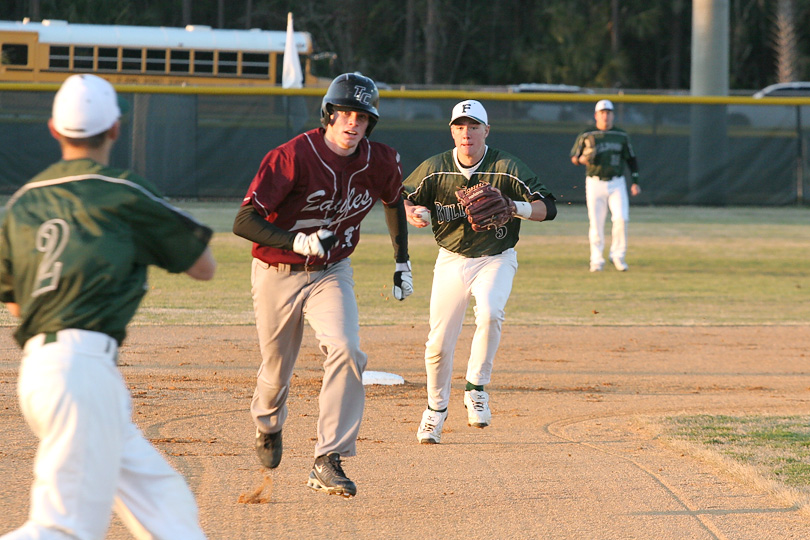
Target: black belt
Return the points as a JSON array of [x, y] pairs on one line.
[[53, 337], [303, 267]]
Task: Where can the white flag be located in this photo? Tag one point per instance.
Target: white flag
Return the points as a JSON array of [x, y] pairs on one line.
[[291, 76]]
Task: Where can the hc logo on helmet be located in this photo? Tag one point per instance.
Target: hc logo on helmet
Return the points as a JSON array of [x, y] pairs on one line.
[[362, 95]]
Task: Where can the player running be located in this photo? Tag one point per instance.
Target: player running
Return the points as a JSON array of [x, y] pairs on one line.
[[74, 249], [303, 212], [473, 264]]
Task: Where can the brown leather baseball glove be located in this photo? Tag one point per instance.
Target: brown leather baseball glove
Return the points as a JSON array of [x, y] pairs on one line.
[[588, 148], [486, 207]]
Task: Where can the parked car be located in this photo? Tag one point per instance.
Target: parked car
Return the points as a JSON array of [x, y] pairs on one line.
[[551, 111], [773, 116], [788, 89], [409, 109]]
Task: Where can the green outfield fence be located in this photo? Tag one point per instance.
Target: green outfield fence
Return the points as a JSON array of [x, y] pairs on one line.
[[205, 142]]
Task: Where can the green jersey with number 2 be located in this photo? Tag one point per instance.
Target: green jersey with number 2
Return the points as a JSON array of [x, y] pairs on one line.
[[76, 242]]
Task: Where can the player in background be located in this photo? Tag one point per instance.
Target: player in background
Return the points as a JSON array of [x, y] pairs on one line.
[[604, 149], [473, 264], [74, 249], [303, 211]]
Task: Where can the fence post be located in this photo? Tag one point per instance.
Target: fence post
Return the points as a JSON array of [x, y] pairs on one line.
[[800, 156]]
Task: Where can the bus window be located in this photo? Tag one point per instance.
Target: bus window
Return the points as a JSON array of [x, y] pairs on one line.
[[83, 58], [203, 61], [156, 60], [131, 60], [14, 54], [59, 57], [255, 64], [179, 62], [107, 59], [227, 63], [49, 52]]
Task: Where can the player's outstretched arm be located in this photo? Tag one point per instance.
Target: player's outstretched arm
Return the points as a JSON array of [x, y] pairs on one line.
[[204, 267], [13, 308]]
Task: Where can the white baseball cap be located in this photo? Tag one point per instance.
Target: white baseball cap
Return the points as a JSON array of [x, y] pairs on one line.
[[85, 105], [470, 109], [604, 105]]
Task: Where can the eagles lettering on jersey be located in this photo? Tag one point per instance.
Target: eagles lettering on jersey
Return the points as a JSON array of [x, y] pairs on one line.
[[434, 183], [303, 186]]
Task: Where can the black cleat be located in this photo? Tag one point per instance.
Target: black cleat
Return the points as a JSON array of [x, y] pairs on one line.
[[268, 448], [327, 475]]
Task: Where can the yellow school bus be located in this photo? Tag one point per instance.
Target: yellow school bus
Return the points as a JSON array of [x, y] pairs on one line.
[[51, 50]]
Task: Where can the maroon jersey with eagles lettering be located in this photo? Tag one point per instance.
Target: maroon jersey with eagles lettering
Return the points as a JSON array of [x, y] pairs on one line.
[[303, 186]]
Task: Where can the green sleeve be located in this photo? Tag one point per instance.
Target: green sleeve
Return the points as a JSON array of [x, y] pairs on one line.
[[6, 275], [575, 148], [418, 187], [166, 236]]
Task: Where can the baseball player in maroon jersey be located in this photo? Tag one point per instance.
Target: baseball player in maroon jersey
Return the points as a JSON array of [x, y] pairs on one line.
[[303, 212]]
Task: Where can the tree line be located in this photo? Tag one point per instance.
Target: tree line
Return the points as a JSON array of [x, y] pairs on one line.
[[632, 44]]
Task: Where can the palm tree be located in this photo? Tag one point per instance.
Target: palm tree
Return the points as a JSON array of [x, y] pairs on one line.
[[786, 41]]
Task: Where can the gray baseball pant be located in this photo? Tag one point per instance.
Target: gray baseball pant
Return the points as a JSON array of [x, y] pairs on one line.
[[282, 301]]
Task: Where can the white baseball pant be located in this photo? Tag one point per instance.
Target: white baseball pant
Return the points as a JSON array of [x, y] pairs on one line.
[[455, 280], [91, 458], [282, 300], [600, 196]]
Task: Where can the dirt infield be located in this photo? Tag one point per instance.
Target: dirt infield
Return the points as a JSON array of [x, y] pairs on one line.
[[567, 456]]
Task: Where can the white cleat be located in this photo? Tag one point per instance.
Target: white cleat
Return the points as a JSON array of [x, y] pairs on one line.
[[595, 267], [620, 265], [477, 405], [430, 429]]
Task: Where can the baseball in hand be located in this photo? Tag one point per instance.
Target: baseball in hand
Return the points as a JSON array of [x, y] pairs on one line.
[[424, 215]]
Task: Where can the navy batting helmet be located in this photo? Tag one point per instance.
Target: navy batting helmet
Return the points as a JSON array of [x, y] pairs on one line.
[[352, 91]]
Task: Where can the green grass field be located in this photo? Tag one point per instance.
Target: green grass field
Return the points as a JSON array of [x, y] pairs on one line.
[[688, 266], [777, 447]]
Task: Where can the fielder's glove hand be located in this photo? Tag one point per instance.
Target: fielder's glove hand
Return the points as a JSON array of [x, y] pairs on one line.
[[588, 149], [486, 207], [316, 244], [403, 281]]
